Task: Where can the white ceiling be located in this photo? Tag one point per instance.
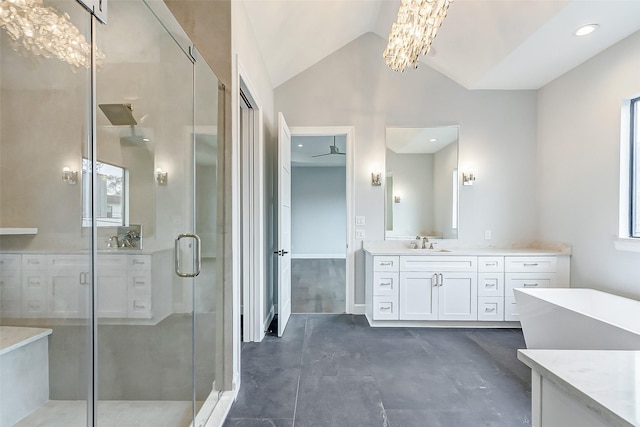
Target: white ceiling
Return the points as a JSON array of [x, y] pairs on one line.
[[482, 44], [420, 140], [304, 148]]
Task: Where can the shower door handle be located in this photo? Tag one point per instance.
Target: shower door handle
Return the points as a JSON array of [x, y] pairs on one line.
[[197, 255]]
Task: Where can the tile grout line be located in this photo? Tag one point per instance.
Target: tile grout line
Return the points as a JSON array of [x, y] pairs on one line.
[[295, 404]]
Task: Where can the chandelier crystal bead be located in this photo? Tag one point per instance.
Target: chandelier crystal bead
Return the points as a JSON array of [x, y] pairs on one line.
[[43, 31], [413, 32]]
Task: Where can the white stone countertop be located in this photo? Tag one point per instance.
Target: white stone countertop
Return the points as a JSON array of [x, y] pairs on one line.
[[606, 382], [444, 248], [13, 337]]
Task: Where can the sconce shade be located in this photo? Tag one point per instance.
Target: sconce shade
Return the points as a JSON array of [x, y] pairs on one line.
[[162, 177], [69, 176]]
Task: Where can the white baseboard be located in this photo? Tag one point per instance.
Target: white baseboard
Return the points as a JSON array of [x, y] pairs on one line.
[[268, 320], [359, 309], [318, 256], [220, 412]]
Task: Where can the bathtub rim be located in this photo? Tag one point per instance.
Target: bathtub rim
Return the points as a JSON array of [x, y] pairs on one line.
[[537, 293]]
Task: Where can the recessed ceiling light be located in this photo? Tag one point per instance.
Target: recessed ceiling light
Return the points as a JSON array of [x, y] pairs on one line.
[[586, 29], [432, 140], [300, 145], [146, 139]]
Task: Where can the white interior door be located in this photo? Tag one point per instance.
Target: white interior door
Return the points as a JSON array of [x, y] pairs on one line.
[[284, 224]]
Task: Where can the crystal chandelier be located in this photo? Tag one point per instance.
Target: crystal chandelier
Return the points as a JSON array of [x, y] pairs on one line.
[[43, 31], [414, 30]]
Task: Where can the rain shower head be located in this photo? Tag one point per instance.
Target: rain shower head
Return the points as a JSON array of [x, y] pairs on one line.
[[119, 114]]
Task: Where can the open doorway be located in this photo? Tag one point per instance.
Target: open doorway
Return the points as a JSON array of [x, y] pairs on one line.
[[319, 223]]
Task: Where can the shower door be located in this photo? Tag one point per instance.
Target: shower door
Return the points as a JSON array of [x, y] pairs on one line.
[[156, 137]]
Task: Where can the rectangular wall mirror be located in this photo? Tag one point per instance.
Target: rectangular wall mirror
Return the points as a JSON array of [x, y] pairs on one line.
[[421, 194]]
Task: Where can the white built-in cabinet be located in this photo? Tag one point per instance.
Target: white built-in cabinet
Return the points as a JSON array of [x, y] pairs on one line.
[[58, 286], [447, 288]]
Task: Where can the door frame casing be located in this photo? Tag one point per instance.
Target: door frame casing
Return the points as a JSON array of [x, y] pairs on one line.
[[251, 171], [349, 131]]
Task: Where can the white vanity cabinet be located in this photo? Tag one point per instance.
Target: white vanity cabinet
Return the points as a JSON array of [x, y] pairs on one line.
[[462, 288], [57, 286], [10, 285], [438, 288], [527, 272], [490, 288], [34, 285], [68, 281], [421, 288], [384, 282]]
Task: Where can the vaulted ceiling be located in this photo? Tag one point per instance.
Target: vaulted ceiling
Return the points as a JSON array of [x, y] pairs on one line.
[[483, 44]]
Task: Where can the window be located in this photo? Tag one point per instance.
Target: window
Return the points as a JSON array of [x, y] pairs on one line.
[[110, 195], [634, 168]]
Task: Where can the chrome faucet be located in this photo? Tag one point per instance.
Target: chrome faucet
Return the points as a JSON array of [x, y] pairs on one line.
[[112, 240], [424, 242]]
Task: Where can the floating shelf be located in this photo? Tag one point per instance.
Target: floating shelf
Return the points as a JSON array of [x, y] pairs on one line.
[[17, 231]]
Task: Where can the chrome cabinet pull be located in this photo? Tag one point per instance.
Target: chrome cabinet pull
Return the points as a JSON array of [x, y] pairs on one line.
[[530, 285], [386, 263], [435, 280], [533, 264], [489, 310], [441, 279], [197, 255]]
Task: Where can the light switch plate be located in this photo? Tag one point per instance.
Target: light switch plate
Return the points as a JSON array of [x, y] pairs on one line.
[[360, 220], [359, 233], [487, 234]]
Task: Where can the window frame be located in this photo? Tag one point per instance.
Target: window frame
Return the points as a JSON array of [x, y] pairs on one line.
[[629, 200]]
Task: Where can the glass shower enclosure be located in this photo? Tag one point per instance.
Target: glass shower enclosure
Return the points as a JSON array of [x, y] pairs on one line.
[[110, 269]]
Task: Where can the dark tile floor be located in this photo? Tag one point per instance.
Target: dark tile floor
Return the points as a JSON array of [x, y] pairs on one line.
[[336, 371], [318, 285]]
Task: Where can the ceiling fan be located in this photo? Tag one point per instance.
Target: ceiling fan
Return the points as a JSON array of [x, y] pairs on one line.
[[333, 149]]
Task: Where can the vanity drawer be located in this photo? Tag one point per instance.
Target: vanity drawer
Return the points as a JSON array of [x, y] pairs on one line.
[[385, 308], [34, 262], [530, 264], [385, 283], [511, 313], [490, 264], [490, 309], [139, 283], [490, 284], [386, 263], [139, 262], [528, 280], [139, 307], [34, 282], [9, 262], [66, 262], [33, 306], [438, 263], [112, 261]]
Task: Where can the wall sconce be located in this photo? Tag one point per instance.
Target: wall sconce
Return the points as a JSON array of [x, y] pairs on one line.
[[396, 199], [468, 178], [69, 176], [376, 178], [162, 176]]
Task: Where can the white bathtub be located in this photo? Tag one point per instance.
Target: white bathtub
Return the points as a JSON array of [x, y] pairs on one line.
[[578, 319]]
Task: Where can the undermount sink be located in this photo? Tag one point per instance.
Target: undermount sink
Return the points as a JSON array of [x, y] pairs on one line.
[[430, 250]]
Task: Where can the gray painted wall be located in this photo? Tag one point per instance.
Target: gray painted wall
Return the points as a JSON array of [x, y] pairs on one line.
[[353, 87], [413, 182], [579, 166], [318, 211]]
